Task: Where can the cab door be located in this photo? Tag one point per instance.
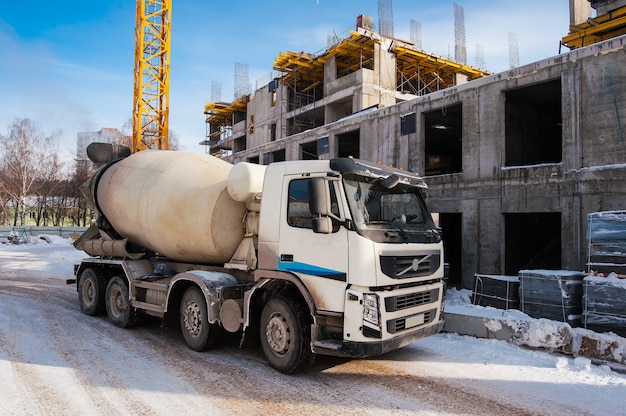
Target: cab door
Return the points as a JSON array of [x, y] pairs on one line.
[[320, 260]]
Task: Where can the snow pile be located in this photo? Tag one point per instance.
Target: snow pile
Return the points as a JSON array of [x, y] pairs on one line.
[[518, 328], [512, 325], [603, 346], [459, 301], [542, 333], [44, 254]]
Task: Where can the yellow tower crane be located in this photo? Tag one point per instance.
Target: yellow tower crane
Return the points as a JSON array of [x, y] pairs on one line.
[[152, 75]]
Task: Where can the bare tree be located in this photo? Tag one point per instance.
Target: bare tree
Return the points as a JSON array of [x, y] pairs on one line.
[[50, 180], [4, 201], [26, 157], [172, 142], [80, 212]]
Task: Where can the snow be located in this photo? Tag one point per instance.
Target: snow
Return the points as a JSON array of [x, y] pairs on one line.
[[610, 279], [549, 383], [44, 255]]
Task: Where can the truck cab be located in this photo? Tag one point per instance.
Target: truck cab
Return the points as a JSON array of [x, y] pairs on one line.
[[359, 243]]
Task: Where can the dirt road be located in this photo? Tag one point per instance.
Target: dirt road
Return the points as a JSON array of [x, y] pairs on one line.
[[56, 361]]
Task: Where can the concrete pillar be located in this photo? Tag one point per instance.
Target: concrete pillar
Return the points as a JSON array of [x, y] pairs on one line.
[[385, 72], [330, 72], [330, 75], [460, 78], [579, 11]]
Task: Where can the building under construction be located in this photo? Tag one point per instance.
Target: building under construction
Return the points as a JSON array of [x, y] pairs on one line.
[[514, 161]]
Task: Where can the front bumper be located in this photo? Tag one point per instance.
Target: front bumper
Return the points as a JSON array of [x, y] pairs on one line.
[[369, 349]]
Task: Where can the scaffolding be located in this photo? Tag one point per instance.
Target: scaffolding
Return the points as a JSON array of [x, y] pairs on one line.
[[417, 72]]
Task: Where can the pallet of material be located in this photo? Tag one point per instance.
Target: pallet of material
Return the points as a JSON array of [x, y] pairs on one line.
[[606, 237], [497, 291], [604, 301], [552, 294]]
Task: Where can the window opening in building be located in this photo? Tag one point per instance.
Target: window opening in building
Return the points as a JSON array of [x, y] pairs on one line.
[[278, 156], [308, 151], [273, 132], [339, 109], [304, 121], [238, 116], [239, 144], [348, 144], [443, 135], [253, 159], [452, 236], [272, 87], [533, 124], [532, 241], [302, 95]]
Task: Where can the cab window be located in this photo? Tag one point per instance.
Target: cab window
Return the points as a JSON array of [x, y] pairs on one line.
[[298, 214]]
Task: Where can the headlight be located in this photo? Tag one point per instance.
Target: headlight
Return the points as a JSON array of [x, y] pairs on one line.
[[370, 308]]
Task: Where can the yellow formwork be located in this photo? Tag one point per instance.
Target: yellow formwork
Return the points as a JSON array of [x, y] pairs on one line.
[[597, 29]]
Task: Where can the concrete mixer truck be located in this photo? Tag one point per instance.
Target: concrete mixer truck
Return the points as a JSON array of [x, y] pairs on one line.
[[338, 257]]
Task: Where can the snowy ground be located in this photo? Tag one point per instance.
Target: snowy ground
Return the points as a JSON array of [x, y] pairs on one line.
[[55, 360]]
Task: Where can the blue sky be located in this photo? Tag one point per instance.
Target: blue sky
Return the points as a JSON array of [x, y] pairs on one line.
[[69, 65]]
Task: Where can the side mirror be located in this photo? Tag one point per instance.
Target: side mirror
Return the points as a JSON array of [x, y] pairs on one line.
[[322, 225], [319, 198]]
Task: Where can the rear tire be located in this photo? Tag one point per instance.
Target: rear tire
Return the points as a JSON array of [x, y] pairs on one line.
[[118, 306], [285, 335], [91, 292], [199, 334]]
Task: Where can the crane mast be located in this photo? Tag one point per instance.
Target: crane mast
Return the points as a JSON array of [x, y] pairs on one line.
[[151, 77]]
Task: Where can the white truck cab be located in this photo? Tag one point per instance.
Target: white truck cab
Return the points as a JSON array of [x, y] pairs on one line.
[[360, 240]]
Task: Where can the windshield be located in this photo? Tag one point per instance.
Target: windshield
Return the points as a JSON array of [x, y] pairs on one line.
[[397, 214]]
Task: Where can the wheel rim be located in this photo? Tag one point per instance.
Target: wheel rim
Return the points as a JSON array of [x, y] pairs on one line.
[[277, 334], [192, 318], [117, 302], [88, 291]]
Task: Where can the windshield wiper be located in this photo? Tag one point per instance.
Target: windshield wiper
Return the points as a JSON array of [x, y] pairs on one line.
[[432, 234], [396, 224]]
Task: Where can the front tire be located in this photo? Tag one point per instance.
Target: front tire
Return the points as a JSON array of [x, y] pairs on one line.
[[199, 334], [91, 292], [285, 335], [118, 305]]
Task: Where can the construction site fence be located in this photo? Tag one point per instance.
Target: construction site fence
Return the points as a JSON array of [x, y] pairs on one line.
[[70, 232]]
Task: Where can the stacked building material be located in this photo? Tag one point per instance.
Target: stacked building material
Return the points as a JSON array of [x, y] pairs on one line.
[[500, 292], [552, 294], [606, 237], [605, 287], [605, 303]]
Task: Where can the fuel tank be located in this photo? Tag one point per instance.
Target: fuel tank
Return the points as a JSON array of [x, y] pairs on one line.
[[173, 203]]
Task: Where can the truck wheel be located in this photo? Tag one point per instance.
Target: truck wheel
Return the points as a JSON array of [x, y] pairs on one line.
[[285, 335], [199, 334], [118, 305], [91, 291]]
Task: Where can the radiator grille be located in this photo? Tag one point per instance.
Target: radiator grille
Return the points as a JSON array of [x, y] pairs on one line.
[[403, 267], [411, 300]]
